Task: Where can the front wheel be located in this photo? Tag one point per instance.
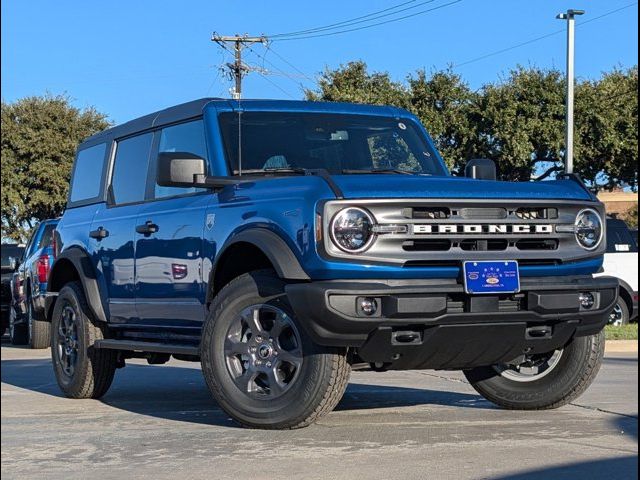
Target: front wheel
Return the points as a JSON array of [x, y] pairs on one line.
[[258, 363], [542, 381]]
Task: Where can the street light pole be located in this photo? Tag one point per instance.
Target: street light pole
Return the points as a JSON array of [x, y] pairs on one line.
[[570, 18]]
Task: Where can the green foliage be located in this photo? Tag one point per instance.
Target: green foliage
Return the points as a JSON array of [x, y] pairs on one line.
[[39, 139], [517, 121], [607, 129], [630, 217], [622, 332]]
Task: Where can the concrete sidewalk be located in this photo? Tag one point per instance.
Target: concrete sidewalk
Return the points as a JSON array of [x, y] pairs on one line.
[[621, 346]]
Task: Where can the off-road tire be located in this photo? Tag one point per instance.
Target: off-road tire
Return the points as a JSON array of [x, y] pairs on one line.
[[323, 376], [39, 331], [95, 368], [576, 369]]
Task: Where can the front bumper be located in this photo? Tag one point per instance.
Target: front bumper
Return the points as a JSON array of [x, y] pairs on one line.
[[435, 324]]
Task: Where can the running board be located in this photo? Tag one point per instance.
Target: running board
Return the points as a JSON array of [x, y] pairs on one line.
[[155, 347]]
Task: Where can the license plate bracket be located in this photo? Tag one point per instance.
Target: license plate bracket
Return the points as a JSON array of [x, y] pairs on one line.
[[494, 276]]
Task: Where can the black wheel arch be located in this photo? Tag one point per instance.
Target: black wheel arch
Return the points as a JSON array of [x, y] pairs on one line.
[[268, 249], [73, 264]]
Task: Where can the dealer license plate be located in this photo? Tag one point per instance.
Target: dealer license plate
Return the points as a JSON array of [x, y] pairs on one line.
[[491, 277]]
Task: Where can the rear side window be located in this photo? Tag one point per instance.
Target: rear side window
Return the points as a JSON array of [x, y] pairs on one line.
[[186, 137], [129, 178], [87, 173]]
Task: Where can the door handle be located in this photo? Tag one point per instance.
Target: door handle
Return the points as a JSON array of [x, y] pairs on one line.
[[147, 228], [99, 233]]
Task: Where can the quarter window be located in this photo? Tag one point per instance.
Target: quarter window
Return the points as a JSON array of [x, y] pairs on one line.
[[186, 137], [87, 173], [129, 179]]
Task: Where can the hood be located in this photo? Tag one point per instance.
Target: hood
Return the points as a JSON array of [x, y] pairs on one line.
[[413, 186]]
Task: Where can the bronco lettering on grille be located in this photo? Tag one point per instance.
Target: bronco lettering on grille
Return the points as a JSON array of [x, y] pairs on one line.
[[422, 229]]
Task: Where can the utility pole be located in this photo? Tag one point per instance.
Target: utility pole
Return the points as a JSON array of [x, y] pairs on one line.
[[237, 68], [570, 18]]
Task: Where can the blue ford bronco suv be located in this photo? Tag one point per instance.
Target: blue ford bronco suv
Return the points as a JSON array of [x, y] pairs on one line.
[[279, 243]]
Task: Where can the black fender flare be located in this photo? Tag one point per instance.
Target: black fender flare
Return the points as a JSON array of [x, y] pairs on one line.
[[278, 252], [78, 258]]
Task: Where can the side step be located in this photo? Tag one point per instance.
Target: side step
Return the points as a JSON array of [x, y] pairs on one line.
[[155, 347]]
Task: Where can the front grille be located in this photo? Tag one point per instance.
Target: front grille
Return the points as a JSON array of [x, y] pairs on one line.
[[528, 213], [537, 244], [423, 232], [430, 213], [436, 245], [483, 245]]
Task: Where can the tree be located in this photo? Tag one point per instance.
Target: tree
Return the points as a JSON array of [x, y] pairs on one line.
[[353, 83], [39, 138], [446, 106], [606, 147], [520, 122]]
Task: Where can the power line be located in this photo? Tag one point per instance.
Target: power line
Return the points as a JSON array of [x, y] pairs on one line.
[[270, 49], [542, 37], [415, 14], [259, 71], [356, 20]]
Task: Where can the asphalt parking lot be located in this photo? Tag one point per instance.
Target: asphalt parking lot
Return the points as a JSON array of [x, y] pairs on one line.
[[160, 422]]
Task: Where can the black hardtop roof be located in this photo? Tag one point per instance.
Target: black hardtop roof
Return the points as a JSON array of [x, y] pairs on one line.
[[194, 108]]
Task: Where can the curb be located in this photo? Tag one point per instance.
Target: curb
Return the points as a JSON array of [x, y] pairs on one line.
[[621, 346]]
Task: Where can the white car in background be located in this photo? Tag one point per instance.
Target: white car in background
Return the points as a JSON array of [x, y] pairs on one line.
[[621, 261]]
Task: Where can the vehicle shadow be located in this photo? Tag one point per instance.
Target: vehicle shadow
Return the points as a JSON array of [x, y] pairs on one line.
[[619, 468], [180, 393]]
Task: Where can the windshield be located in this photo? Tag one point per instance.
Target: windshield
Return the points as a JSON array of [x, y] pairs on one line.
[[338, 143]]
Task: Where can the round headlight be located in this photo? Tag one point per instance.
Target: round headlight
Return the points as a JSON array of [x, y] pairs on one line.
[[589, 229], [351, 229]]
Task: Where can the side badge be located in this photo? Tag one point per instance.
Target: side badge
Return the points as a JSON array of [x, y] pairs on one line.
[[211, 220]]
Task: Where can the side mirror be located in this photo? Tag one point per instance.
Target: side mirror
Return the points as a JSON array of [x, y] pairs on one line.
[[481, 168], [179, 169]]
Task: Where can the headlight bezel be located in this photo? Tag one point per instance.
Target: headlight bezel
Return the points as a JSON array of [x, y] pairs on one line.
[[368, 242], [602, 227]]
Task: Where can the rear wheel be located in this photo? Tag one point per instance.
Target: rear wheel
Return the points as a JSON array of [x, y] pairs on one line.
[[620, 314], [18, 332], [260, 366], [39, 330], [82, 371], [542, 381]]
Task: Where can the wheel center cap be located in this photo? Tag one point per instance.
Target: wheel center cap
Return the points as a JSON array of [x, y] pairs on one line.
[[264, 351]]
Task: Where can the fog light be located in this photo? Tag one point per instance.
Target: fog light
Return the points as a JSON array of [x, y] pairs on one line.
[[368, 306], [586, 300]]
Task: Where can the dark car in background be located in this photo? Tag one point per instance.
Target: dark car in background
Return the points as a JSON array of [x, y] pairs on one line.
[[30, 288], [11, 252]]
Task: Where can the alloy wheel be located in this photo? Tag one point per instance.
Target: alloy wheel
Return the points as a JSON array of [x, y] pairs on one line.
[[263, 351], [67, 341], [616, 316]]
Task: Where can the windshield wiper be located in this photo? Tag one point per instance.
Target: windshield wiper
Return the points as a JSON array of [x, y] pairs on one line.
[[379, 170]]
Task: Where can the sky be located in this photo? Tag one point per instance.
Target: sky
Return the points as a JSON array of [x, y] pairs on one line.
[[130, 58]]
